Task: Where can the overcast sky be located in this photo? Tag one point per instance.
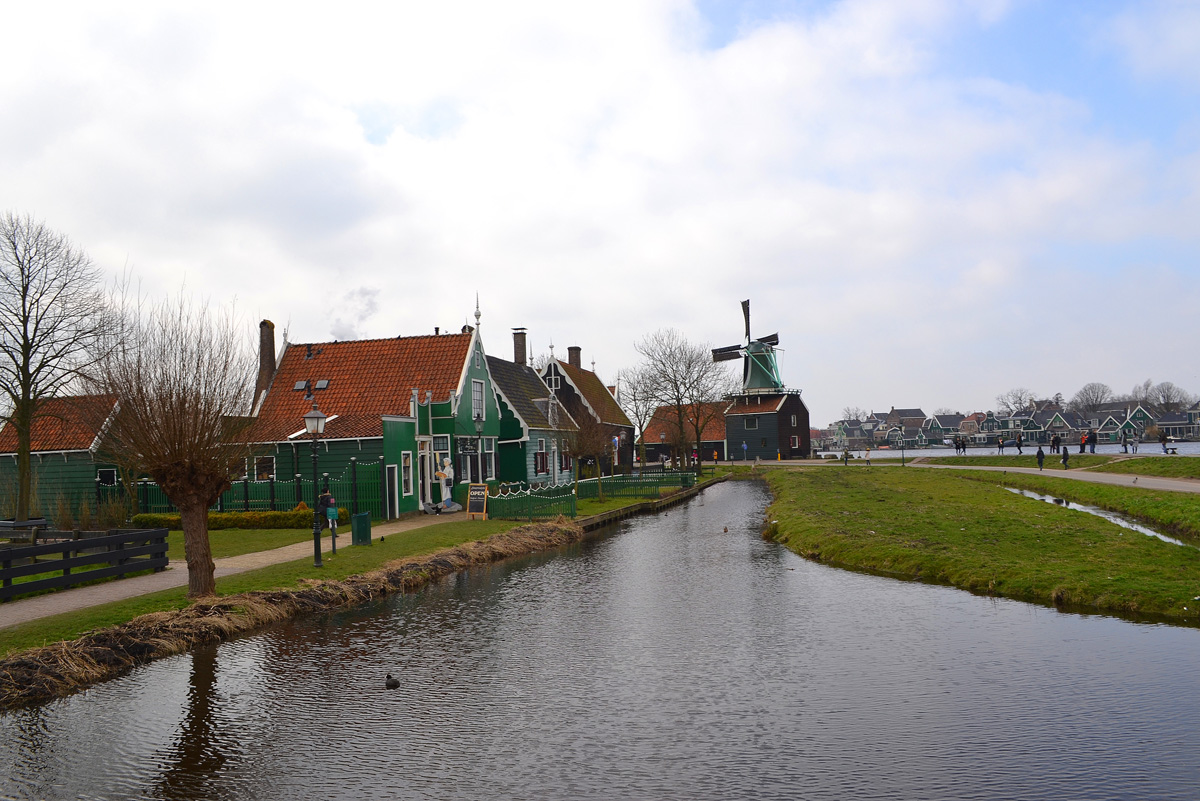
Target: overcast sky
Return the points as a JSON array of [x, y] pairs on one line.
[[931, 201]]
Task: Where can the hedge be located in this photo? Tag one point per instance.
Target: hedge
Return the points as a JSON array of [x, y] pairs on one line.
[[297, 518]]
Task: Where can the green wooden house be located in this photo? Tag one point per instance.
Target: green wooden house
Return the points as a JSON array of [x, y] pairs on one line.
[[395, 410], [68, 467], [535, 428]]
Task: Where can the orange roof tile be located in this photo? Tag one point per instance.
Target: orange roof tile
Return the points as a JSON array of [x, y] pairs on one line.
[[63, 424], [367, 379], [663, 422], [596, 394]]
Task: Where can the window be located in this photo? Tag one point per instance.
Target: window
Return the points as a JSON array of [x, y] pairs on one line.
[[477, 409], [764, 442], [464, 468], [264, 468], [793, 421], [441, 451], [564, 462], [795, 442], [477, 359], [553, 381], [441, 443], [751, 422], [107, 477], [406, 472], [541, 459]]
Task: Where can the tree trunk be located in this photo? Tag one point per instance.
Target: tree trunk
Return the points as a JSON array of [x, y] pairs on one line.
[[202, 578], [22, 420]]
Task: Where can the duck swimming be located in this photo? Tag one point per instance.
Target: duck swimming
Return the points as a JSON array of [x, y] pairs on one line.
[[391, 682]]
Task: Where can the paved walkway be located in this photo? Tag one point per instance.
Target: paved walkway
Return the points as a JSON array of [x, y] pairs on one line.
[[24, 610]]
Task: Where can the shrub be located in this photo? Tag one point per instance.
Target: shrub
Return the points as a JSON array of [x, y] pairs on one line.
[[217, 521]]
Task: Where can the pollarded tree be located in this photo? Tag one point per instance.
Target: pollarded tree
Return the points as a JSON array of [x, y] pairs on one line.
[[183, 377], [51, 312]]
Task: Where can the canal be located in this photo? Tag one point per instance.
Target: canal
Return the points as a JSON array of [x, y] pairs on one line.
[[666, 659]]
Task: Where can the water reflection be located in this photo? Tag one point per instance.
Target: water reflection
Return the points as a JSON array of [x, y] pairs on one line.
[[669, 659]]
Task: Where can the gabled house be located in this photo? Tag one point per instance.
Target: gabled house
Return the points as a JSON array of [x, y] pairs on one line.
[[770, 426], [942, 427], [582, 392], [67, 462], [909, 418], [661, 436], [396, 409], [535, 429]]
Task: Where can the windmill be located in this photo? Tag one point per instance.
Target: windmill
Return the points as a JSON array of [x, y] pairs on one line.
[[759, 369]]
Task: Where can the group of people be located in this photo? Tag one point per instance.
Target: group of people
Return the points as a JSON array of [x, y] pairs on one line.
[[960, 446]]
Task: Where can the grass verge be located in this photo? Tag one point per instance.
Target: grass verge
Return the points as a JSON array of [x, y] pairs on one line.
[[1162, 466], [1029, 459], [289, 575], [948, 528]]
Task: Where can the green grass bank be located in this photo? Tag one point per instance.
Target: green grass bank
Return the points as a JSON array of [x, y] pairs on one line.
[[943, 527]]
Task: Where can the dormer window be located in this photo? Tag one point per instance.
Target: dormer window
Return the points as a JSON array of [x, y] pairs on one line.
[[323, 383], [299, 386]]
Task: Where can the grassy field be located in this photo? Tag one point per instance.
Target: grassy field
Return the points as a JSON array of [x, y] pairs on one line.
[[349, 561], [1029, 459], [1164, 466], [948, 528]]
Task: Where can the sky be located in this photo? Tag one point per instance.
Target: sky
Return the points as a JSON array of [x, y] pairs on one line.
[[931, 201]]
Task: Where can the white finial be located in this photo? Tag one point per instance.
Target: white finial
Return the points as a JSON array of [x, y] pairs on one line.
[[593, 365], [477, 315], [552, 350]]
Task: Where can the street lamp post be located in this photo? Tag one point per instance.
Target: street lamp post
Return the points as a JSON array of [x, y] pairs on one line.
[[479, 445], [314, 424], [662, 446]]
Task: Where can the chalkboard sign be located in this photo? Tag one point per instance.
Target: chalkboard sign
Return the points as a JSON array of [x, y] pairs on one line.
[[477, 501]]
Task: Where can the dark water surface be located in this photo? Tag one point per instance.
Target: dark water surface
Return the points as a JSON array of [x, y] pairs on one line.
[[669, 659]]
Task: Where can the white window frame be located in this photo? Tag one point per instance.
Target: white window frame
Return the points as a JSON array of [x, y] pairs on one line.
[[752, 418], [406, 472], [479, 410], [260, 459], [100, 476]]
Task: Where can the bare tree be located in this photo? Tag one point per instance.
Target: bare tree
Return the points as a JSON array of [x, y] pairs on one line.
[[591, 439], [854, 413], [685, 379], [1167, 398], [638, 399], [183, 377], [1090, 397], [51, 311], [1017, 399]]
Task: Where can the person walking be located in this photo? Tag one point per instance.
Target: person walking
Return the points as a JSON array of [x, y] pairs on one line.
[[1041, 457], [867, 455], [1124, 441], [1136, 440], [324, 500], [1054, 443], [1083, 438], [1066, 460], [1091, 441], [1000, 445], [1019, 451], [331, 514]]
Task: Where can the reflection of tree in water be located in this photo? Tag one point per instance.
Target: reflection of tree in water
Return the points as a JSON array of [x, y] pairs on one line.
[[195, 758]]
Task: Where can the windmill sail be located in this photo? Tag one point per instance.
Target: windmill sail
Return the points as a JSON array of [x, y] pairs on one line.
[[760, 371]]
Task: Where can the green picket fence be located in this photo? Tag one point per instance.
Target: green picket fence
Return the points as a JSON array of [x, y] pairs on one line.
[[643, 486], [531, 505], [358, 493]]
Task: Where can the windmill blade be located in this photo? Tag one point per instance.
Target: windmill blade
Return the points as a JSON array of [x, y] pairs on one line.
[[770, 339], [726, 357], [746, 314], [728, 349]]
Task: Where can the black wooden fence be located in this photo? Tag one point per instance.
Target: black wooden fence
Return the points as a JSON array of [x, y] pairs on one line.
[[80, 559]]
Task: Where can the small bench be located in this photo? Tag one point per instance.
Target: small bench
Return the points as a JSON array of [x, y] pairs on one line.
[[1172, 451]]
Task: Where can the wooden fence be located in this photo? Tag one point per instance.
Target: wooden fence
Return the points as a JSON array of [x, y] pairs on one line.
[[80, 559]]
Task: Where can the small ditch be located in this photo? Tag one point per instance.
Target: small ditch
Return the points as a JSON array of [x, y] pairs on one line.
[[1112, 517]]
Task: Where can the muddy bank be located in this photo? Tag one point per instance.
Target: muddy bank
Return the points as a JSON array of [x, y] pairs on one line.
[[53, 671]]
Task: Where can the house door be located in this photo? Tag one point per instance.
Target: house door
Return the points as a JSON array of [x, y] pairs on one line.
[[424, 475], [392, 505]]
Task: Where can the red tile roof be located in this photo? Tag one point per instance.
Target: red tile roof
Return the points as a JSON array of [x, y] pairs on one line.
[[367, 379], [664, 422], [63, 424], [596, 394]]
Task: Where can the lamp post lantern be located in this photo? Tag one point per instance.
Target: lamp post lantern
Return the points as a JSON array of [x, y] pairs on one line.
[[314, 424]]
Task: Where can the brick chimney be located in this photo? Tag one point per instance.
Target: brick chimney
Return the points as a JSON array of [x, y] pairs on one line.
[[519, 346], [575, 356], [266, 357]]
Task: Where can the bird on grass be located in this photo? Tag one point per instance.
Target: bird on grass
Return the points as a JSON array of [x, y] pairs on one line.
[[391, 682]]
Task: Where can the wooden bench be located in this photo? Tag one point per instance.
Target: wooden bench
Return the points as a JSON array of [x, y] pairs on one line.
[[1172, 451]]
